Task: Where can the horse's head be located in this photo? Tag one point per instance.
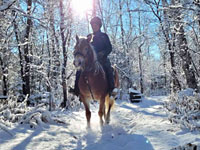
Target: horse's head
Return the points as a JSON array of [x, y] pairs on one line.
[[83, 53]]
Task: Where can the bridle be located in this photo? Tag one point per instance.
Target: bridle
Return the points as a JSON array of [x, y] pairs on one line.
[[88, 68], [81, 54]]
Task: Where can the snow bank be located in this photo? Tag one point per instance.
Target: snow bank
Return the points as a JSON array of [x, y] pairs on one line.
[[14, 112], [184, 109]]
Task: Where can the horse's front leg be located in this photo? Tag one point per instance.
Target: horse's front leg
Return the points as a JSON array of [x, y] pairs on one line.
[[101, 110], [87, 111]]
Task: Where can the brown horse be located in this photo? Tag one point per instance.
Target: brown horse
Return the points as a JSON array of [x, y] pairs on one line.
[[92, 82]]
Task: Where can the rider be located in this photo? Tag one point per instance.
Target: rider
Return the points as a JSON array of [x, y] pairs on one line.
[[101, 43]]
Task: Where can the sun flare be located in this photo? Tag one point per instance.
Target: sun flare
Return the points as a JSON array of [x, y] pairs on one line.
[[81, 7]]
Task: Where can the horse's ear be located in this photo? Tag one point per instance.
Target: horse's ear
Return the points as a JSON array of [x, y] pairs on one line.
[[77, 38], [89, 38]]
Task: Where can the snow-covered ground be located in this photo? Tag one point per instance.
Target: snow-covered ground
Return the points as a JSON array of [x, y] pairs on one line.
[[138, 126]]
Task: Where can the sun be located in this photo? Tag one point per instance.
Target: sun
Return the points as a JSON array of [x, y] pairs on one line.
[[81, 7]]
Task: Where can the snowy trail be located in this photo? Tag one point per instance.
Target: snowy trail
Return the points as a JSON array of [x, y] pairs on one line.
[[141, 126]]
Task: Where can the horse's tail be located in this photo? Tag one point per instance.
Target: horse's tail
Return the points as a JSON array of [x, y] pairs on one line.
[[109, 103], [110, 100], [116, 77]]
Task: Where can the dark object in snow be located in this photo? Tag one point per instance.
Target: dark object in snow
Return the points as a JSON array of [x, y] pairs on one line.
[[188, 146], [135, 96], [3, 99], [75, 137]]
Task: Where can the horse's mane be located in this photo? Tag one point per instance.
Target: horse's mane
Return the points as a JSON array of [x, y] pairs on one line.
[[94, 52], [97, 65]]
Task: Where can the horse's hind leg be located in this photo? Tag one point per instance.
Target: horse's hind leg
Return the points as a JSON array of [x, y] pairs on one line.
[[101, 110], [104, 113], [87, 112]]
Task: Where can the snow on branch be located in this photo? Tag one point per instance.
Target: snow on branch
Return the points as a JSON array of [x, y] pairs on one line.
[[7, 5], [184, 109], [39, 117]]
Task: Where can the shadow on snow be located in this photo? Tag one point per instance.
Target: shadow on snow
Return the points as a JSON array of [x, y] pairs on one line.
[[113, 137]]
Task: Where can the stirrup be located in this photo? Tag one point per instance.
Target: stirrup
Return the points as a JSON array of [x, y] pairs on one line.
[[114, 92], [73, 91]]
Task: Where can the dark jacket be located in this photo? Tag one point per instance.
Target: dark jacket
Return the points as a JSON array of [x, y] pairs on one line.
[[101, 44]]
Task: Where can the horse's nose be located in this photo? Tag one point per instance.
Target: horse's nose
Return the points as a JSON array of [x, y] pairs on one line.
[[77, 63]]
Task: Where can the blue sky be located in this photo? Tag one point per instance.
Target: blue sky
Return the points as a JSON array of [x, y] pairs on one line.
[[154, 49]]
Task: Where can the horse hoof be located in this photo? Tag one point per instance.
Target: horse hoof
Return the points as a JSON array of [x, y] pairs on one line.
[[101, 123], [107, 121], [88, 126]]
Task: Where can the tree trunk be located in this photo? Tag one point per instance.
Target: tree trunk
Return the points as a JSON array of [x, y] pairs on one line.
[[21, 60], [197, 4], [4, 72], [140, 55], [26, 51], [94, 9], [140, 68], [130, 19], [182, 47], [62, 30], [165, 26], [48, 83], [121, 26], [55, 49], [176, 86]]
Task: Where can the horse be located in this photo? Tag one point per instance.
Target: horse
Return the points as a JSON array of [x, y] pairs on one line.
[[93, 84]]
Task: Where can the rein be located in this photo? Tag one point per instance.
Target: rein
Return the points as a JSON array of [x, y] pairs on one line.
[[87, 82]]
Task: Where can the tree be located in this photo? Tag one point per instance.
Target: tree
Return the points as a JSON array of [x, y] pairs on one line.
[[65, 40], [121, 25], [182, 44], [27, 50], [165, 27], [94, 10]]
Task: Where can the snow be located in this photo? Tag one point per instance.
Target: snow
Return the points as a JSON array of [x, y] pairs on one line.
[[186, 92], [131, 90], [134, 126]]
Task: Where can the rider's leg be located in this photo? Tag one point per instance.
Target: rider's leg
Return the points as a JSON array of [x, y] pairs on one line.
[[76, 91], [109, 74]]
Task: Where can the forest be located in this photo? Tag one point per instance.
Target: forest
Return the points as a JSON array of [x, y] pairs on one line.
[[155, 48]]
